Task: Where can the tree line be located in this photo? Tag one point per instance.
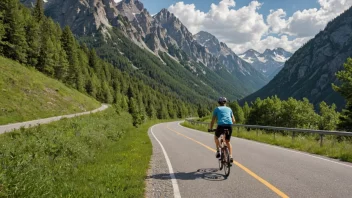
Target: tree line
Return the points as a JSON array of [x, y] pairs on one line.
[[294, 113], [29, 37], [289, 113]]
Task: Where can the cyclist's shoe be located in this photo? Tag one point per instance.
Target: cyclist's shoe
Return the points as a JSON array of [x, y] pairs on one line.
[[231, 159], [217, 154]]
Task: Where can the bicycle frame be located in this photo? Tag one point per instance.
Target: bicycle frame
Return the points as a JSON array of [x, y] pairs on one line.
[[224, 161]]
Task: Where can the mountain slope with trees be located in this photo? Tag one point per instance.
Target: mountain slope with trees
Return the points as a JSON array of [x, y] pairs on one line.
[[311, 70], [31, 38]]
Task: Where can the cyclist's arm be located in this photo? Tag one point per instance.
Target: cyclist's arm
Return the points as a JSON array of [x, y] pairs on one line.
[[233, 119], [212, 122]]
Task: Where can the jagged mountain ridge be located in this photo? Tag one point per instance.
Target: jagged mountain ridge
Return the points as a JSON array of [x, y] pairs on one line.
[[228, 58], [269, 63], [162, 32], [311, 70]]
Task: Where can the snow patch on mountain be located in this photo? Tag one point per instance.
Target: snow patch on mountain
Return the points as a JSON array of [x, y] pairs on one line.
[[268, 63], [262, 59]]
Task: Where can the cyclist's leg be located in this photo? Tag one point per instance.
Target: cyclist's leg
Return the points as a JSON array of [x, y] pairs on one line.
[[228, 138], [216, 136], [217, 142], [228, 143]]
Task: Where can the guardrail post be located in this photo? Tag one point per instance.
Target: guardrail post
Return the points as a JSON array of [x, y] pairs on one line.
[[238, 131], [274, 135], [257, 132], [321, 140], [293, 136]]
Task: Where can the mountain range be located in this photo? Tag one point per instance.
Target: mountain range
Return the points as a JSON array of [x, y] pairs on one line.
[[269, 63], [311, 69], [161, 33], [239, 68], [126, 31]]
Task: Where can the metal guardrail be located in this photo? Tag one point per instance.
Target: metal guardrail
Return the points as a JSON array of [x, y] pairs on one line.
[[294, 130]]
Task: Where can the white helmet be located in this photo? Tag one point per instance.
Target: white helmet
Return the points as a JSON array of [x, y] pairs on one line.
[[222, 100]]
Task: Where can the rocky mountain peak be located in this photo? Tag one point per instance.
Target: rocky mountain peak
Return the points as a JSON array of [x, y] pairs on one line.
[[209, 41], [270, 62], [164, 16], [251, 53], [228, 58]]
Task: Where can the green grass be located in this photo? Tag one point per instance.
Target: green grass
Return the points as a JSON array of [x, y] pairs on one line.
[[26, 94], [308, 143], [98, 155]]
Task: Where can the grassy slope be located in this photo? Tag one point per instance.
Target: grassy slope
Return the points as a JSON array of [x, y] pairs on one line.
[[98, 155], [331, 147], [26, 94]]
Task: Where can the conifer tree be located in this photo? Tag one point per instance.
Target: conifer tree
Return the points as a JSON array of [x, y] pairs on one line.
[[93, 60], [124, 103], [69, 44], [16, 44], [38, 11], [345, 89], [2, 31], [162, 112], [91, 88], [61, 63], [130, 92], [33, 41], [107, 96], [151, 112], [171, 110]]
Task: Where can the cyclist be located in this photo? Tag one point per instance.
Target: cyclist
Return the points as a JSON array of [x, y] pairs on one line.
[[225, 119]]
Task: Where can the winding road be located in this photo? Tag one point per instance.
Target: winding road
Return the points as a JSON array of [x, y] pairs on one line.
[[184, 165], [11, 127]]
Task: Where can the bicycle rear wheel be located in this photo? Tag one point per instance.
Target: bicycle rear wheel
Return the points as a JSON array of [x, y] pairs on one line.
[[221, 164], [227, 162]]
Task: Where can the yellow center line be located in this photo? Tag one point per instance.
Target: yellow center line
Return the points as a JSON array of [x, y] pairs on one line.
[[263, 181]]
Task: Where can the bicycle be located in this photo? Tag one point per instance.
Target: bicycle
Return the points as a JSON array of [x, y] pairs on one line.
[[224, 160]]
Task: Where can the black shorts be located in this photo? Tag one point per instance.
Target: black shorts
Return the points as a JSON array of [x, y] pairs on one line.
[[220, 130]]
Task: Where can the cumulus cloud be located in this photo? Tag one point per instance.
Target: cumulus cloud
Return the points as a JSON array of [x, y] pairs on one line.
[[307, 22], [229, 25], [245, 28]]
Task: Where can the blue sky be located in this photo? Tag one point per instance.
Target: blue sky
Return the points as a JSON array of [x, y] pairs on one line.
[[154, 6], [254, 24]]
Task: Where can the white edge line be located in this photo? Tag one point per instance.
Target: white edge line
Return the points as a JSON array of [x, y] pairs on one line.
[[286, 149], [171, 171]]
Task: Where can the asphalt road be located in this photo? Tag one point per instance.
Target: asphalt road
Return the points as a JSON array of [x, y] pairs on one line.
[[184, 165], [11, 127]]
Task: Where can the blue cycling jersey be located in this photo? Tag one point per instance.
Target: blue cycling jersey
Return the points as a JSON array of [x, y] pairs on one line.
[[223, 115]]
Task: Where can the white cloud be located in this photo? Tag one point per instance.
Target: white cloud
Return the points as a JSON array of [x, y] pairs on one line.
[[244, 28], [229, 25], [307, 22]]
